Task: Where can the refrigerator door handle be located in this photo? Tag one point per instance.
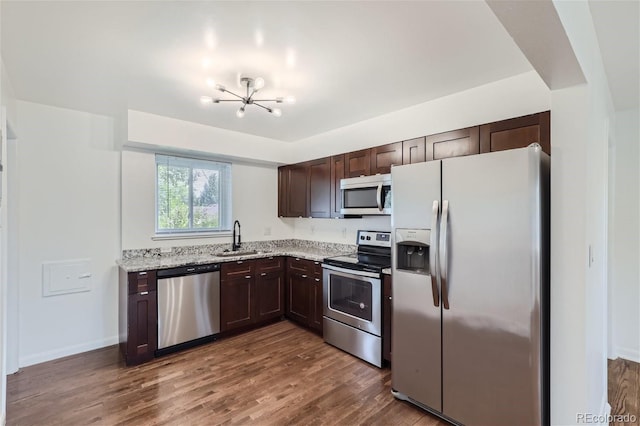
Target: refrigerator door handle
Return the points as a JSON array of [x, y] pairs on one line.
[[444, 224], [379, 196], [433, 253]]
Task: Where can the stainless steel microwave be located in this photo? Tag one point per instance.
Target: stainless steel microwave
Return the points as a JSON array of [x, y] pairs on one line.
[[366, 195]]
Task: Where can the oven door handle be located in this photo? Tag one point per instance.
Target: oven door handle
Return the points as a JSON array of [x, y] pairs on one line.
[[351, 271]]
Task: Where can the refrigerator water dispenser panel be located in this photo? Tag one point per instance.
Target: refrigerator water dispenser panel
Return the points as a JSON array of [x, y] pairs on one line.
[[413, 250]]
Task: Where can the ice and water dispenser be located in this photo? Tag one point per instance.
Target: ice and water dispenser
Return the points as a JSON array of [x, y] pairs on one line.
[[412, 250]]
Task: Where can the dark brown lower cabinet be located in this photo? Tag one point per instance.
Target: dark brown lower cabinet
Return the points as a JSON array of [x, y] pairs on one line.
[[386, 318], [138, 316], [236, 303], [298, 297], [304, 293], [251, 292], [270, 274]]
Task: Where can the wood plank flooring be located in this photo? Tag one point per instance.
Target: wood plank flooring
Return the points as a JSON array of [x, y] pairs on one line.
[[624, 390], [279, 374]]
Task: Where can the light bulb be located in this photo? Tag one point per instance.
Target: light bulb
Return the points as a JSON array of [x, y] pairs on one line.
[[277, 112], [240, 112], [211, 82], [290, 100], [220, 87], [258, 83], [205, 100]]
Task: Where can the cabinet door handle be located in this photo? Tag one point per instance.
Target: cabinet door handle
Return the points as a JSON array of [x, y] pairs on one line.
[[270, 257], [297, 258], [316, 263], [390, 298], [240, 262], [247, 276], [263, 274], [304, 276], [144, 293], [317, 279], [142, 273], [191, 269]]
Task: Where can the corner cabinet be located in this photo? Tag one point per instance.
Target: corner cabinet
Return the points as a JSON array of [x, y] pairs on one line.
[[292, 190], [138, 316]]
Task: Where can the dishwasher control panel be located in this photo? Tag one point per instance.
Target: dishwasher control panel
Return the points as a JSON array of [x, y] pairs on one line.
[[187, 270]]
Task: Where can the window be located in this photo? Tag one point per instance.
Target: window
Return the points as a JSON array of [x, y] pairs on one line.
[[192, 195]]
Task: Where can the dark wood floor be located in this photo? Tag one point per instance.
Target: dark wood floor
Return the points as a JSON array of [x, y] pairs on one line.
[[279, 374], [624, 391]]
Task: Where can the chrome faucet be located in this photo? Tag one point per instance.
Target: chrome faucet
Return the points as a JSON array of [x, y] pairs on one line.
[[235, 246]]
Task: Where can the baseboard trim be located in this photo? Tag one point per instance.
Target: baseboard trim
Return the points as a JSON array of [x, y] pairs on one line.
[[38, 358], [628, 353]]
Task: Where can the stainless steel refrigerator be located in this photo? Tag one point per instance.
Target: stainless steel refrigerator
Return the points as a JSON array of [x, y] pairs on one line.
[[470, 264]]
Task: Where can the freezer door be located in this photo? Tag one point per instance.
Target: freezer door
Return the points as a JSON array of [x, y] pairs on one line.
[[492, 328], [414, 188], [416, 325]]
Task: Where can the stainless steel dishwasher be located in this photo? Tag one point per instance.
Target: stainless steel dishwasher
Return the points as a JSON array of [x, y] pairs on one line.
[[188, 304]]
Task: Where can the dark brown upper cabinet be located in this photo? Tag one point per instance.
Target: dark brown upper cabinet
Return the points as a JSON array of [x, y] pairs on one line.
[[385, 156], [319, 187], [357, 163], [413, 151], [456, 143], [337, 173], [517, 133], [292, 190]]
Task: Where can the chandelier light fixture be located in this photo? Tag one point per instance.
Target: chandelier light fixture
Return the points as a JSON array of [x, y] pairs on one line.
[[252, 87]]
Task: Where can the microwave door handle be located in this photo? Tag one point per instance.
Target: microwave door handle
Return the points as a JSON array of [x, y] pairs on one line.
[[444, 224], [433, 253], [379, 196]]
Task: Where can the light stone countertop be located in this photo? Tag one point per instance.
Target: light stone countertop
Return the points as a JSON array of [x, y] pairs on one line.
[[137, 264]]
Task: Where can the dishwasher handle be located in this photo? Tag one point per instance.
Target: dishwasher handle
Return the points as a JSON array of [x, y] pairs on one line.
[[188, 270]]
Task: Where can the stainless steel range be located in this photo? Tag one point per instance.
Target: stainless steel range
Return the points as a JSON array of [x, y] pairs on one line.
[[352, 295]]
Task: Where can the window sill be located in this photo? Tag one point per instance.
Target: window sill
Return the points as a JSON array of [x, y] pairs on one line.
[[190, 235]]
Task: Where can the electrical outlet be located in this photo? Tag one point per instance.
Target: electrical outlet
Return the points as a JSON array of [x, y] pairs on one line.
[[313, 229], [344, 232], [267, 230]]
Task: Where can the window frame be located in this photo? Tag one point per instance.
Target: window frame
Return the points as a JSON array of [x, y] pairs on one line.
[[225, 203]]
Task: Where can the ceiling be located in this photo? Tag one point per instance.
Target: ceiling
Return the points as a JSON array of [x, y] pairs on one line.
[[344, 62]]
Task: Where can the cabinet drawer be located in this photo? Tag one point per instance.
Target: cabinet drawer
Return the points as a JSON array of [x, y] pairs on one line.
[[231, 270], [301, 266], [140, 282], [269, 264]]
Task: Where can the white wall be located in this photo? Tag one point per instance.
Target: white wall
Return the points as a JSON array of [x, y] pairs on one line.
[[511, 97], [625, 262], [254, 197], [337, 230], [580, 119], [69, 209]]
